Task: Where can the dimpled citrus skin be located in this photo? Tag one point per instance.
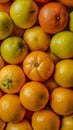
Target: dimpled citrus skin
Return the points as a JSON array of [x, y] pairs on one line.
[[10, 107], [61, 44], [45, 120], [63, 73], [38, 66], [34, 96], [61, 101]]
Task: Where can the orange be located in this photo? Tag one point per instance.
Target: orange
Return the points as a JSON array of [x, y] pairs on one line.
[[53, 17], [22, 125], [11, 108], [14, 49], [67, 122], [38, 66], [34, 96], [11, 78], [45, 120], [51, 84], [2, 124], [63, 73], [68, 3], [2, 62], [61, 101], [37, 39]]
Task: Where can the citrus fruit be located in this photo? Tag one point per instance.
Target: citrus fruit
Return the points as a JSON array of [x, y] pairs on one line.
[[22, 125], [61, 44], [11, 78], [61, 101], [63, 73], [11, 109], [24, 13], [45, 120], [37, 39], [38, 66], [14, 50], [53, 17], [34, 96]]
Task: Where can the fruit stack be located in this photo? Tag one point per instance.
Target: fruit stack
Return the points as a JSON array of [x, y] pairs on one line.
[[36, 65]]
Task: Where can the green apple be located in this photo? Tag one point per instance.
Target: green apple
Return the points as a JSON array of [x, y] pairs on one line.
[[71, 21], [61, 44], [24, 13], [37, 39], [6, 25], [13, 50]]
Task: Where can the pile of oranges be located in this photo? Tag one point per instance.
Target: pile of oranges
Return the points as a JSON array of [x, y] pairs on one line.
[[30, 97]]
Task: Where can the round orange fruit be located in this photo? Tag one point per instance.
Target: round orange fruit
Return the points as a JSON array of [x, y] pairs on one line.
[[38, 66], [45, 120], [11, 108], [61, 101], [34, 96], [63, 73], [53, 17], [12, 78], [22, 125], [37, 39]]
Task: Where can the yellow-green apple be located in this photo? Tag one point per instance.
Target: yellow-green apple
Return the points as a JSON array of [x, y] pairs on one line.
[[71, 21], [61, 44], [37, 39], [13, 50], [6, 25], [24, 13]]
